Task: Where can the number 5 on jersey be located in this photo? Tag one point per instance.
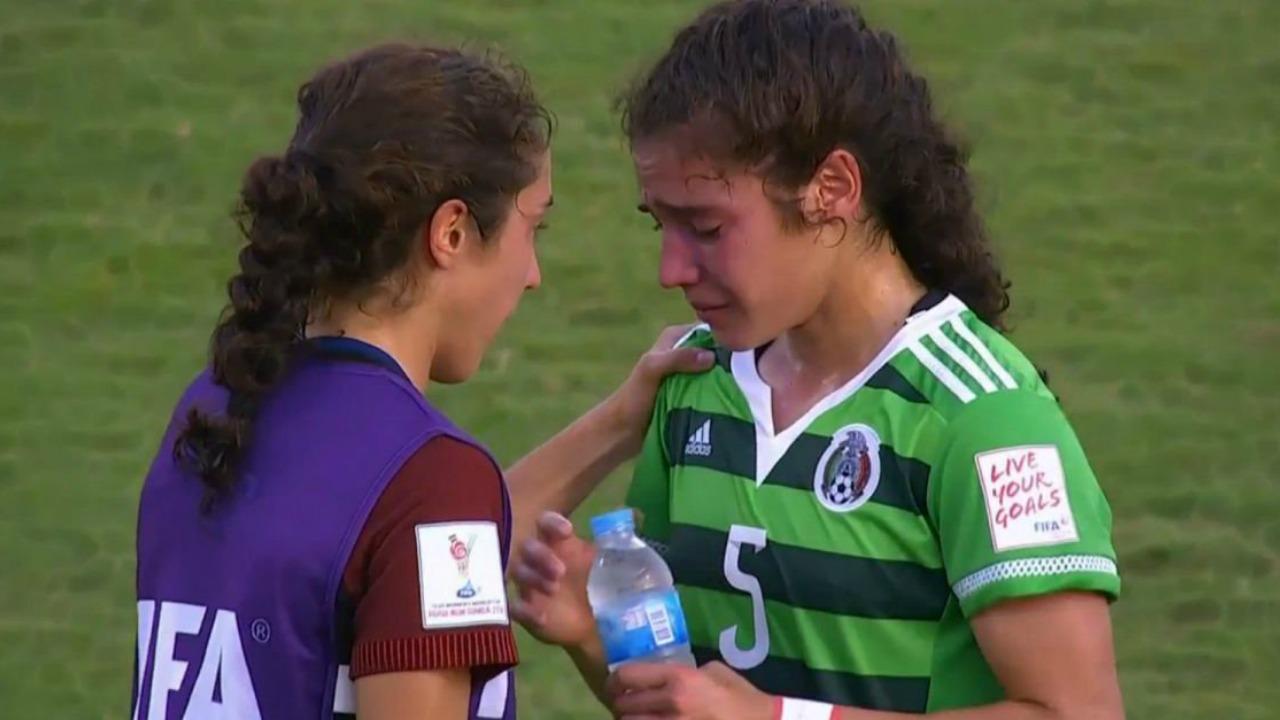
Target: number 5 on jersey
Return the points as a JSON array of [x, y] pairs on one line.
[[740, 535]]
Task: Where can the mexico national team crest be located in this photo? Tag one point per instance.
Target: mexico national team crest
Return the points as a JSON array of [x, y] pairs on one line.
[[849, 471]]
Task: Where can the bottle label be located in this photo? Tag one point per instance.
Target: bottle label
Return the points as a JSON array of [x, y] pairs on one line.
[[640, 625]]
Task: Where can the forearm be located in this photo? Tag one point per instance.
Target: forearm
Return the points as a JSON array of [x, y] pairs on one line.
[[591, 664], [560, 473]]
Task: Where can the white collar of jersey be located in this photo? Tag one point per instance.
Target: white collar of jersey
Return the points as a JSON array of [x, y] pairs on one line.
[[770, 445]]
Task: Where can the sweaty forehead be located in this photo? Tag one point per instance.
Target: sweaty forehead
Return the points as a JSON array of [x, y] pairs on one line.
[[674, 175], [537, 195]]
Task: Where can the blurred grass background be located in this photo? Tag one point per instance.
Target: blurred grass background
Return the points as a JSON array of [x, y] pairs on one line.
[[1129, 155]]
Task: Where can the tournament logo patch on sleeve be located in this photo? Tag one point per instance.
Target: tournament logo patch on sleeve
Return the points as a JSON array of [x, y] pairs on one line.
[[1025, 490], [460, 575]]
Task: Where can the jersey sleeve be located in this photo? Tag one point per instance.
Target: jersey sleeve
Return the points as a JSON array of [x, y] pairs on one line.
[[426, 577], [650, 491], [650, 483], [1018, 510]]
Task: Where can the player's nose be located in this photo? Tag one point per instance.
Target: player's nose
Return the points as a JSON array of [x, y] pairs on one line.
[[676, 267], [534, 279]]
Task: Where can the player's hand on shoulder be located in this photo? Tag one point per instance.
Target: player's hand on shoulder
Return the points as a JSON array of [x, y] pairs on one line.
[[712, 692], [550, 572], [633, 401], [664, 358]]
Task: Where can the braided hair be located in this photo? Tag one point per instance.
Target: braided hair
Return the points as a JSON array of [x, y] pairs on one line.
[[383, 139]]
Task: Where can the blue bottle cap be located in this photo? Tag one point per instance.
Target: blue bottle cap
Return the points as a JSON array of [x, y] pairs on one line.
[[610, 521]]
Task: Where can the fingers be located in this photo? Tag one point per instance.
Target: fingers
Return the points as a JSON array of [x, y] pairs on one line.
[[644, 703], [553, 526], [670, 335], [691, 360], [530, 580], [638, 676], [543, 559], [682, 360], [664, 358], [648, 689], [539, 568], [528, 614], [722, 674]]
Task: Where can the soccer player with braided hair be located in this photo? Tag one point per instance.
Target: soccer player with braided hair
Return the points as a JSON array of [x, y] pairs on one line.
[[315, 538]]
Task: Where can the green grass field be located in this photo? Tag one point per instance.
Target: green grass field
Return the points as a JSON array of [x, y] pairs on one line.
[[1129, 154]]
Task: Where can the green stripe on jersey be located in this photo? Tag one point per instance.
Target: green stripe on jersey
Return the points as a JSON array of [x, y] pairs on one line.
[[899, 648], [716, 500], [903, 484], [888, 378], [962, 359], [731, 448], [792, 678], [812, 579]]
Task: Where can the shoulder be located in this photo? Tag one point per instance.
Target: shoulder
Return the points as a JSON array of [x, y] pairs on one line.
[[202, 392], [954, 360], [1006, 358], [446, 475], [446, 481], [678, 385], [1007, 418], [330, 378], [698, 336], [445, 506], [1005, 435], [984, 394]]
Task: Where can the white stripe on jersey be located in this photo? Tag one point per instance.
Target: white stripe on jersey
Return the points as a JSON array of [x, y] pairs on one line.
[[1032, 567], [941, 372], [692, 331], [962, 359], [983, 352], [493, 698]]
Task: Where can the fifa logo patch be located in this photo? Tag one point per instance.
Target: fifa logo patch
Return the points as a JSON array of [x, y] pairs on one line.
[[849, 471], [476, 594], [461, 553]]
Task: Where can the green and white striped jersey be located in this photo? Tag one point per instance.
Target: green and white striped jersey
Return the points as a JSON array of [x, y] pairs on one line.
[[838, 559]]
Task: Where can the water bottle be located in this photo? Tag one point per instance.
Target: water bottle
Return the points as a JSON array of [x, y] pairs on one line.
[[633, 597]]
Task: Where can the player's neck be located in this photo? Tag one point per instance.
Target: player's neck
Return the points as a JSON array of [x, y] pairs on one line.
[[408, 335], [853, 323]]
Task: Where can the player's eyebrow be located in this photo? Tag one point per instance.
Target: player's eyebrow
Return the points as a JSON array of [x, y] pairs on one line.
[[680, 212]]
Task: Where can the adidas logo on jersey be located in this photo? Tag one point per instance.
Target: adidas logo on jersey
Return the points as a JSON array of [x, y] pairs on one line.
[[700, 441]]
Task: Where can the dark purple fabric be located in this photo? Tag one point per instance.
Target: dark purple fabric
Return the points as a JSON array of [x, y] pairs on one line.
[[325, 444]]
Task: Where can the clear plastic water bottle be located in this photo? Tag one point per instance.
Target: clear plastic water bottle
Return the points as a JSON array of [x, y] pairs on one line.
[[634, 598]]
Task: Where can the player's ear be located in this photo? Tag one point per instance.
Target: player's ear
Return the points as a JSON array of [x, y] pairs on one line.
[[835, 190], [449, 234]]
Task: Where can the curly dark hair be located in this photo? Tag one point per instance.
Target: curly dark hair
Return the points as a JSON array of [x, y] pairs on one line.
[[383, 139], [774, 86]]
